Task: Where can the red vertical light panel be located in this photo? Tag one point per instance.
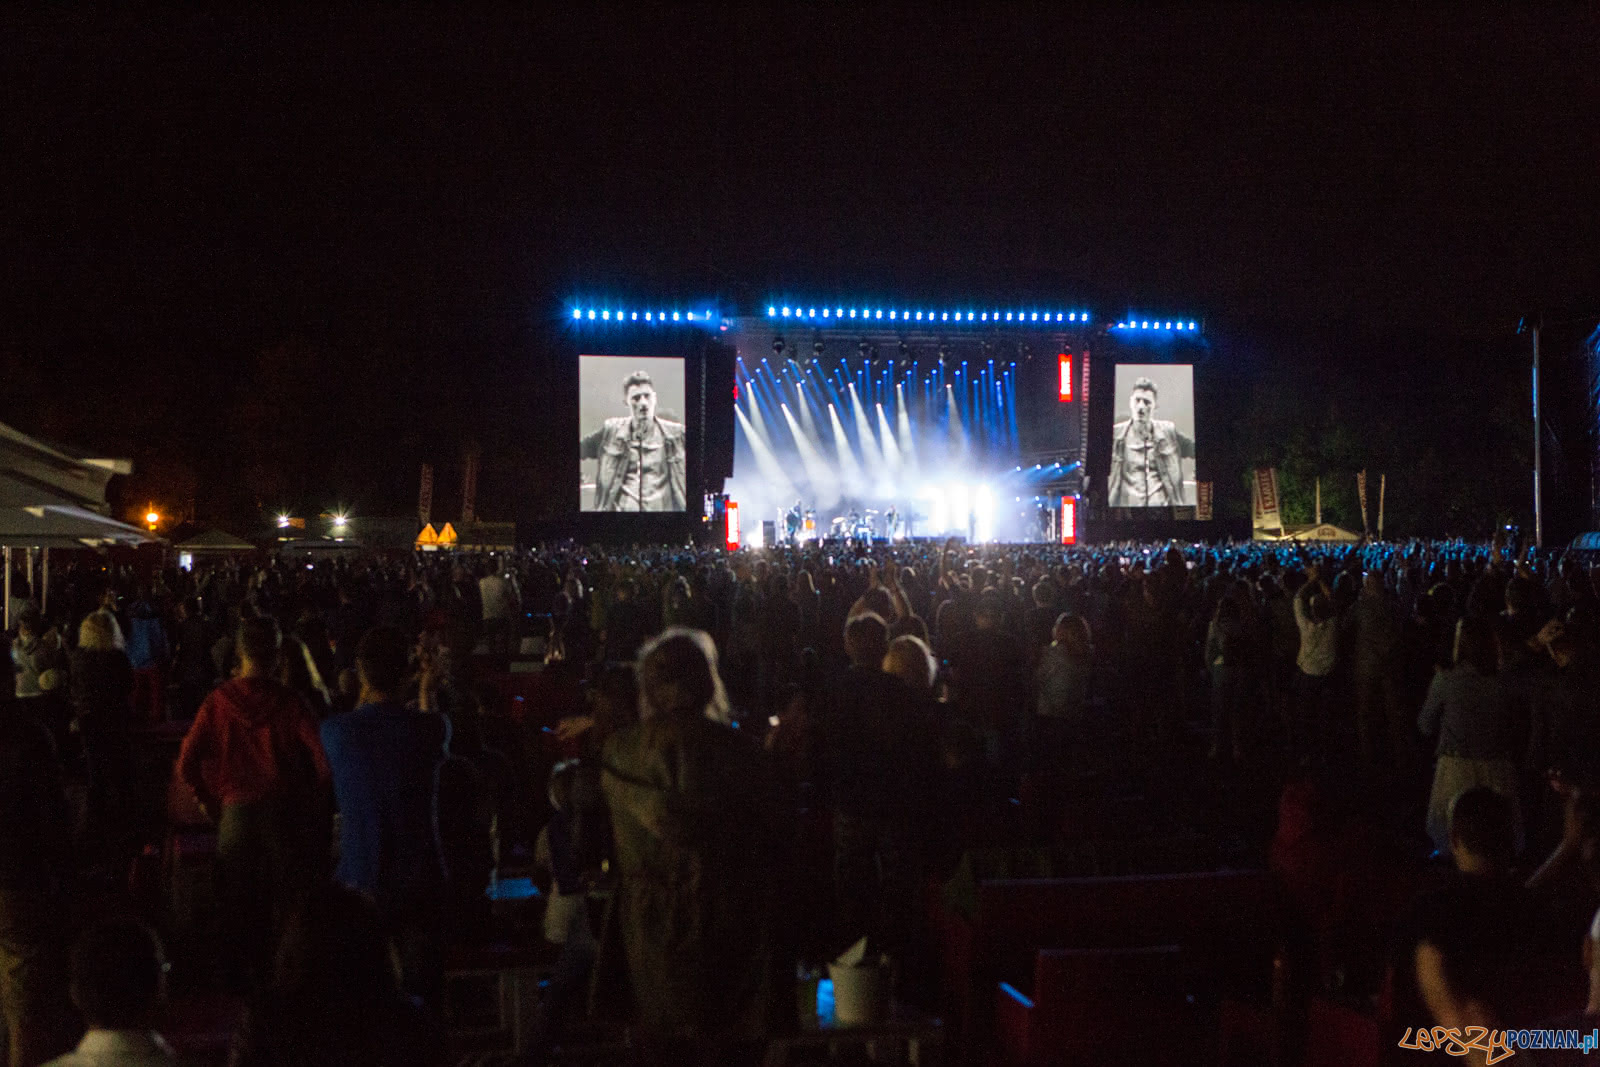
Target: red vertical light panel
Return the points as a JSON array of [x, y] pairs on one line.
[[1065, 360], [1069, 520], [733, 526]]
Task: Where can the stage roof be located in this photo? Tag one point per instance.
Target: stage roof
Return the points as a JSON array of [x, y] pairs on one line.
[[847, 314]]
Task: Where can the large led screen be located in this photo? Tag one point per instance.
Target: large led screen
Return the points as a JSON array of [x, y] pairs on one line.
[[1152, 439], [632, 444]]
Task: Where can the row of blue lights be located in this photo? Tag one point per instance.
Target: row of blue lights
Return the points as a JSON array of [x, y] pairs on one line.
[[607, 315], [894, 315], [1156, 324]]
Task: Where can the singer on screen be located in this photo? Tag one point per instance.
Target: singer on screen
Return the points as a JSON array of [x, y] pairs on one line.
[[642, 465]]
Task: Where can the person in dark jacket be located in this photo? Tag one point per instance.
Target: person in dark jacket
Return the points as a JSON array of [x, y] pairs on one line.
[[1473, 715], [335, 997], [881, 754], [255, 763], [693, 820], [35, 861], [192, 666], [101, 681], [383, 757], [149, 653]]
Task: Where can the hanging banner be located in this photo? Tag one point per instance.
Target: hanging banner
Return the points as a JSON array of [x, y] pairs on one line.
[[1264, 499], [1361, 494], [1383, 483], [425, 496], [1202, 506], [469, 484]]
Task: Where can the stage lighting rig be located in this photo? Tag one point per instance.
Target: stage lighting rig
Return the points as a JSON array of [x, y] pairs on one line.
[[816, 349], [777, 347]]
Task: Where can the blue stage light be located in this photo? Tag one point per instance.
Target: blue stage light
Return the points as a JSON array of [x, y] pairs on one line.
[[785, 312], [880, 313], [1169, 325], [591, 313], [674, 316], [919, 316], [1144, 325], [1191, 324], [771, 312], [891, 314], [635, 316], [838, 313], [1008, 316], [824, 312], [1083, 316], [945, 317], [984, 317], [577, 314]]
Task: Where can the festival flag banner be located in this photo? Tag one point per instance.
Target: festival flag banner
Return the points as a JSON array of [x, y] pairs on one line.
[[425, 496], [1361, 493], [1202, 507], [1383, 483], [1264, 498]]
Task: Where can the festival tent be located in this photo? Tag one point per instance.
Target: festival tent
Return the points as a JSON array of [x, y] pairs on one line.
[[214, 542], [33, 473], [50, 498], [1321, 531], [57, 526], [60, 526]]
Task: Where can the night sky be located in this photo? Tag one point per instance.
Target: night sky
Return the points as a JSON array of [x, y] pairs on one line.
[[403, 202]]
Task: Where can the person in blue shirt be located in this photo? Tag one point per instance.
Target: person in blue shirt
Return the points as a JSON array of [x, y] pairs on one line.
[[383, 757]]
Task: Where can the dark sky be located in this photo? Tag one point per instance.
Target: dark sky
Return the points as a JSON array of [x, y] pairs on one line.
[[182, 191]]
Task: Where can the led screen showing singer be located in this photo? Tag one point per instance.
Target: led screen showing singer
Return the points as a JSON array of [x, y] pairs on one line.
[[1152, 445], [632, 445]]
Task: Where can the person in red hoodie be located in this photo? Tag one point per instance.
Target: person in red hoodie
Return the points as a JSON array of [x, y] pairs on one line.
[[256, 765]]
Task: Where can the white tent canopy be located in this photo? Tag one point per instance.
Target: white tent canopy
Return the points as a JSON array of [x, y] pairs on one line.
[[51, 499], [60, 526], [33, 473], [214, 540], [1323, 531]]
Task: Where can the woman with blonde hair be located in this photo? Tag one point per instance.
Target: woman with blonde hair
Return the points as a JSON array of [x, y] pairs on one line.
[[692, 817], [101, 685], [911, 660]]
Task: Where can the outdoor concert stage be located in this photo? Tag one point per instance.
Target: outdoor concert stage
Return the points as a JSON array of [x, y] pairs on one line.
[[858, 421]]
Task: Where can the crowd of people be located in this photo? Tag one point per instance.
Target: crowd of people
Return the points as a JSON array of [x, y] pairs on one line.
[[751, 760]]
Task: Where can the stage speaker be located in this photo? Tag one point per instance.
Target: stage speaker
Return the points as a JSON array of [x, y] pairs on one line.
[[719, 434], [769, 532]]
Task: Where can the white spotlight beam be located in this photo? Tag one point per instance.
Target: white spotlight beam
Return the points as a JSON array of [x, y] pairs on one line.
[[871, 455], [854, 480], [908, 443], [824, 482], [891, 450], [772, 471]]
